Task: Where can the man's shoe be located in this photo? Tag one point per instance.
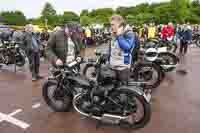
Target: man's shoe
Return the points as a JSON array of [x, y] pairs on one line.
[[34, 79]]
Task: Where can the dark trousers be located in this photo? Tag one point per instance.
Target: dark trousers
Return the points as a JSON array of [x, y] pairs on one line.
[[183, 47], [34, 63]]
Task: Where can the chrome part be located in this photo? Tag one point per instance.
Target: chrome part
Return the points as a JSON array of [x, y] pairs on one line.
[[107, 118]]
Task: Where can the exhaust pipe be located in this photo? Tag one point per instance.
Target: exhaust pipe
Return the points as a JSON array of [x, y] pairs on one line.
[[106, 118]]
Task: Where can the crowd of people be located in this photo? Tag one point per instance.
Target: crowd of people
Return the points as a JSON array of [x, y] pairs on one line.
[[180, 35], [63, 44]]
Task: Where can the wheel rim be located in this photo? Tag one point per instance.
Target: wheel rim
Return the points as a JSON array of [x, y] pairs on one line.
[[138, 114], [154, 75], [20, 61], [60, 102], [198, 43]]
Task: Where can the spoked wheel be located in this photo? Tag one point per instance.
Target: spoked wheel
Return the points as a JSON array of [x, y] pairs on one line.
[[20, 60], [148, 74], [55, 97], [198, 43], [168, 61], [138, 110]]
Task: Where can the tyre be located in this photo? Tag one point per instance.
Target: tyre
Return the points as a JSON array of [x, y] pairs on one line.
[[197, 42], [168, 61], [144, 72], [20, 60], [135, 102], [59, 101]]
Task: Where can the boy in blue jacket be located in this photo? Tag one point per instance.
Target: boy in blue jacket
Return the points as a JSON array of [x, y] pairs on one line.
[[121, 47]]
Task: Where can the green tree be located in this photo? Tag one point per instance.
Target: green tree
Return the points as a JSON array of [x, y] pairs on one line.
[[181, 9], [13, 18], [48, 10], [85, 20], [84, 13], [48, 13], [69, 16], [101, 15]]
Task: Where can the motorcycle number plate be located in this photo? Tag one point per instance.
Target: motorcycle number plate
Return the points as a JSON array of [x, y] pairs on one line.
[[147, 97], [163, 49]]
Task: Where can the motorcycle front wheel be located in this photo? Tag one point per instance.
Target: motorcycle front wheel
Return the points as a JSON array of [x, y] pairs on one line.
[[55, 97]]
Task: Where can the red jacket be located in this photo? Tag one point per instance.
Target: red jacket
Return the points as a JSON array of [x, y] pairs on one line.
[[170, 30], [164, 33]]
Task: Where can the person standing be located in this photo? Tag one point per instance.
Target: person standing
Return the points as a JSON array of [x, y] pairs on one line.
[[32, 50], [44, 36], [152, 31], [121, 47], [88, 34], [170, 32], [62, 48], [186, 37], [164, 33]]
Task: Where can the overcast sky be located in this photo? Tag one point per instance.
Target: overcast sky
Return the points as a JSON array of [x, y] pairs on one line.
[[32, 8]]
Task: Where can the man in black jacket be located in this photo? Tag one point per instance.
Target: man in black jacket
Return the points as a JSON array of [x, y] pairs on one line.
[[62, 45]]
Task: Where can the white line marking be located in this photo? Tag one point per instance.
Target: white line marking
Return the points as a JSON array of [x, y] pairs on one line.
[[37, 105], [15, 112], [10, 119]]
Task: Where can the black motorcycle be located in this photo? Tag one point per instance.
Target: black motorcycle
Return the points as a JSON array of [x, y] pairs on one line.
[[158, 43], [147, 74], [107, 103], [11, 53]]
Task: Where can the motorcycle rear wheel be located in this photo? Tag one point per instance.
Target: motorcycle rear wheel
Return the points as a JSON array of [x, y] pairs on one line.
[[137, 76]]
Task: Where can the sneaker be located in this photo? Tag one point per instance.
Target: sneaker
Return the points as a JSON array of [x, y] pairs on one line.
[[34, 79]]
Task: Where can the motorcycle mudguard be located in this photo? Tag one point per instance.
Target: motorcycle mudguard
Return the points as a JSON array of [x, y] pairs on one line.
[[138, 91], [172, 54]]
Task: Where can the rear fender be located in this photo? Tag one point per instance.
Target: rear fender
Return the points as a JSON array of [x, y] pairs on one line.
[[137, 90]]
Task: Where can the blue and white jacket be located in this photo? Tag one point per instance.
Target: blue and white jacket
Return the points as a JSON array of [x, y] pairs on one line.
[[121, 49]]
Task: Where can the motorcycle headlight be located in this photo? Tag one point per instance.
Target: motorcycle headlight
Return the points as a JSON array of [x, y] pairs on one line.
[[151, 54]]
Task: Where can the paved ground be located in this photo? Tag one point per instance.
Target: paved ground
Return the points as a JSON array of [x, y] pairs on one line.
[[175, 105]]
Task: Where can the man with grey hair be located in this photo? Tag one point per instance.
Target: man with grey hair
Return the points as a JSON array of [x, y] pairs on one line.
[[121, 47], [32, 50]]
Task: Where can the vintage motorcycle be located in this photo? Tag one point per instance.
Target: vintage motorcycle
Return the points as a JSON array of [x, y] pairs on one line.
[[147, 74], [103, 101], [11, 53]]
